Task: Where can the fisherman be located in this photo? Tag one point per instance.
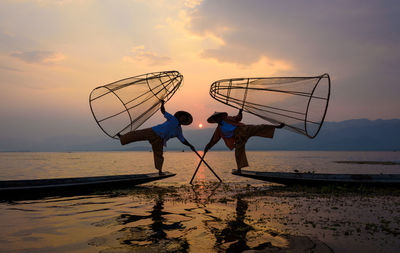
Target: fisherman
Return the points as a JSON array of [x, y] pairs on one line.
[[235, 134], [160, 134]]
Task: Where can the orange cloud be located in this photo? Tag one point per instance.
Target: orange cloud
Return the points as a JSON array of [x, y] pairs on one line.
[[139, 53], [42, 57]]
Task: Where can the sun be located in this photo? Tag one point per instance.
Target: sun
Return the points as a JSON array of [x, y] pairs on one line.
[[200, 125]]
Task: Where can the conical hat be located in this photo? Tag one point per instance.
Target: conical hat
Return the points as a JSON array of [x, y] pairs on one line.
[[188, 117], [212, 118]]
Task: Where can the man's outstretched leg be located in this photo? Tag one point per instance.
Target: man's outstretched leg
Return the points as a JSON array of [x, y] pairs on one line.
[[241, 138], [138, 135], [266, 131]]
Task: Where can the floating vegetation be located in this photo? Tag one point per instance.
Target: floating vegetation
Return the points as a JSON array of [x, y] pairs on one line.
[[369, 162], [214, 217]]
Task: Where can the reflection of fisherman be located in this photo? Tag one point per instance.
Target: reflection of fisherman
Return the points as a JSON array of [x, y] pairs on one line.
[[160, 134], [236, 134], [156, 216], [236, 230]]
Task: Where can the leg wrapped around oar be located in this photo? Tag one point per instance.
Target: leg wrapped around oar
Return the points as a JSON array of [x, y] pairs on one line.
[[157, 146]]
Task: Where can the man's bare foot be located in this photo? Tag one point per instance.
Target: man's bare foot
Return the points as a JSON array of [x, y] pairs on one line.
[[281, 125]]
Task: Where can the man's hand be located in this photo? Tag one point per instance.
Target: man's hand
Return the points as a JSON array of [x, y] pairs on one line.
[[189, 145], [281, 125], [240, 115], [162, 107]]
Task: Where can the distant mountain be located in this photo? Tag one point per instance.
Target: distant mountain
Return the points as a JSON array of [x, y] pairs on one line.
[[357, 134]]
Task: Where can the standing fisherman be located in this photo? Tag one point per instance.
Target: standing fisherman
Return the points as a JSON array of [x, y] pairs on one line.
[[160, 134], [235, 134]]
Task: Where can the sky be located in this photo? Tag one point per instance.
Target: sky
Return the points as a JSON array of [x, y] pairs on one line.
[[54, 52]]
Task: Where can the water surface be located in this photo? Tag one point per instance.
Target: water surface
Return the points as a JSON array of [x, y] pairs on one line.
[[172, 216], [32, 165]]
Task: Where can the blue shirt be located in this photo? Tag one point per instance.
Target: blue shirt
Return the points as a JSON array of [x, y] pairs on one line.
[[227, 129], [169, 129]]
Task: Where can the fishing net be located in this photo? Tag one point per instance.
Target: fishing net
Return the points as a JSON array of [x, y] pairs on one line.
[[124, 105], [299, 102]]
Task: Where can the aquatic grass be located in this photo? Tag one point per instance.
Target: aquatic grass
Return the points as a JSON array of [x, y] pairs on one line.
[[369, 162]]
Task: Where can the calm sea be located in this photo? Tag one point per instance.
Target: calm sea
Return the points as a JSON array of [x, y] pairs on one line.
[[171, 216], [31, 165]]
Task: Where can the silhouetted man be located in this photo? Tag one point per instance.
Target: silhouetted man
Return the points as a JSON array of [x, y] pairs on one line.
[[235, 134], [160, 134]]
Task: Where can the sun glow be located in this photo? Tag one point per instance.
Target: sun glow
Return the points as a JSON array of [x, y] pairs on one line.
[[200, 125]]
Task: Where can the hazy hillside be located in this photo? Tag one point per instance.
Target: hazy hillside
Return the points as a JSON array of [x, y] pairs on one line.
[[358, 134]]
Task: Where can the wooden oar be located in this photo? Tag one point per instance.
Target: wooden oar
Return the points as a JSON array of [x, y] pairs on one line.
[[198, 166]]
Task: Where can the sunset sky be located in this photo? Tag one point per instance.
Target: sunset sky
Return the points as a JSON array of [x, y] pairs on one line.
[[54, 52]]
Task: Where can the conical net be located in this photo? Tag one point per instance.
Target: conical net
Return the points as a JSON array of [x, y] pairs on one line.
[[123, 106], [299, 102]]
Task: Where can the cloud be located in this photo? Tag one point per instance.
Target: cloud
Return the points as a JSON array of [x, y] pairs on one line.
[[8, 68], [219, 32], [42, 57], [305, 32], [139, 53], [242, 55], [356, 42], [192, 3], [49, 2], [10, 42]]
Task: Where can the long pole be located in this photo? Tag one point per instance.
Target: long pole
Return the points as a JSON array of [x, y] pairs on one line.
[[198, 166]]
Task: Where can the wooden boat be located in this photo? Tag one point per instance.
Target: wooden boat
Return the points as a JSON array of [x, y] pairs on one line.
[[64, 185], [289, 178]]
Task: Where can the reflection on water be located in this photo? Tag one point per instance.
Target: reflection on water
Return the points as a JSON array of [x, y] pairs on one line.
[[171, 215], [149, 233], [238, 235], [204, 192], [208, 217], [235, 230], [80, 164]]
